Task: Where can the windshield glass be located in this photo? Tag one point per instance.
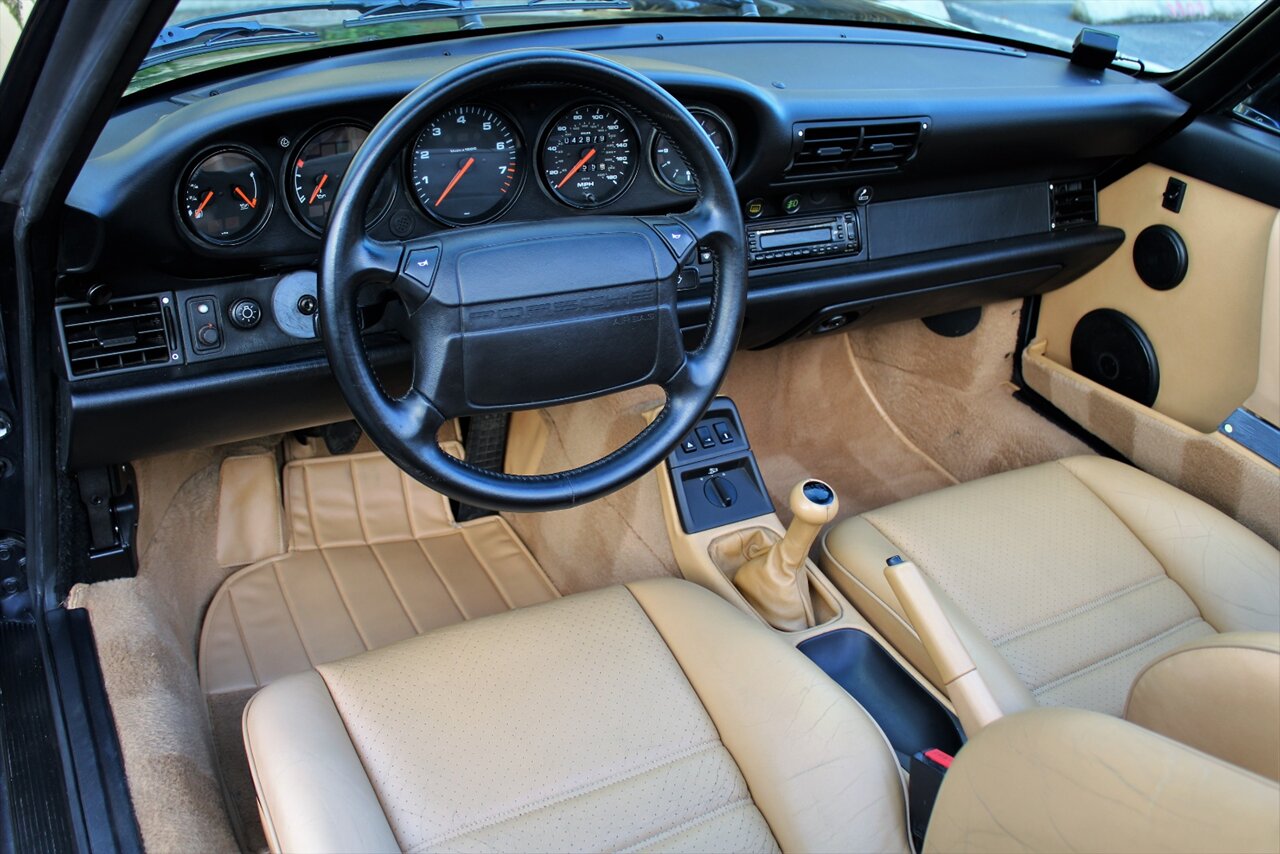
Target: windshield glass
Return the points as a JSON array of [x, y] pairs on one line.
[[13, 14], [1162, 35]]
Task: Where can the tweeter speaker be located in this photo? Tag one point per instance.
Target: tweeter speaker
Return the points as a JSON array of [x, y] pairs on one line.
[[1160, 257], [1108, 347]]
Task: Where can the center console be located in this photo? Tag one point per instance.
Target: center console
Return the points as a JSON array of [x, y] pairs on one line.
[[722, 527]]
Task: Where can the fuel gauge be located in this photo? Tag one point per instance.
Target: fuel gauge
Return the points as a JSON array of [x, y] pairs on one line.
[[226, 198]]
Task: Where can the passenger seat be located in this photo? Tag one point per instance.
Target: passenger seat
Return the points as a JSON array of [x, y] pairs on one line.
[[1087, 583]]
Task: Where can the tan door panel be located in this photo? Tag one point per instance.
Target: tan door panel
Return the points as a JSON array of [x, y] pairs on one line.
[[1207, 331], [1265, 400]]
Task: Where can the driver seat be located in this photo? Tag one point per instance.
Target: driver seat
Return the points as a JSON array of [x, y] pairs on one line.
[[653, 715]]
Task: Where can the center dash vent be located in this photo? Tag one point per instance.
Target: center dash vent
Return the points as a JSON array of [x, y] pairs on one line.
[[121, 335], [828, 149], [1072, 204]]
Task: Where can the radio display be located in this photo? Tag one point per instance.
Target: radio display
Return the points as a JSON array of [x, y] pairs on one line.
[[798, 237]]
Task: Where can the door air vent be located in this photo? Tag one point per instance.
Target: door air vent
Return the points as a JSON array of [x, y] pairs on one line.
[[828, 149], [121, 335], [1072, 204]]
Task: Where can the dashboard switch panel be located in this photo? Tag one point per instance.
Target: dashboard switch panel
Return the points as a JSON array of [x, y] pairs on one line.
[[714, 475], [204, 322]]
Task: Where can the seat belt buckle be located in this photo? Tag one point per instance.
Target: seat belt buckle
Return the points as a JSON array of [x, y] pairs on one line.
[[928, 767]]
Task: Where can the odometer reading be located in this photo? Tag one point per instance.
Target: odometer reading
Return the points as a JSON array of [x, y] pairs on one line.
[[466, 165], [589, 156]]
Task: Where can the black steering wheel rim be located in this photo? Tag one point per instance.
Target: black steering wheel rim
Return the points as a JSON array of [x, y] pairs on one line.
[[405, 427]]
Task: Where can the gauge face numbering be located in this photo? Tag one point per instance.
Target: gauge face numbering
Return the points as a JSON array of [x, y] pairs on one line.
[[466, 165], [317, 171], [225, 197], [589, 155], [671, 167]]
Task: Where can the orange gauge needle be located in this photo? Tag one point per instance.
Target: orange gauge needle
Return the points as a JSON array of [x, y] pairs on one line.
[[457, 176], [319, 187], [253, 203], [207, 197], [574, 171]]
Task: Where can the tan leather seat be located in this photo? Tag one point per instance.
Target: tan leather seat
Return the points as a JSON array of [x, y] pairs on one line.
[[651, 716], [1069, 579], [657, 716]]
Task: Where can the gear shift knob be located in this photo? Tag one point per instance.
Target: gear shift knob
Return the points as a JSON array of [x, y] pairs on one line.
[[777, 582], [813, 502]]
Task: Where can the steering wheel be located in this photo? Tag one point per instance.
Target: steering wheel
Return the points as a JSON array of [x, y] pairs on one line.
[[526, 315]]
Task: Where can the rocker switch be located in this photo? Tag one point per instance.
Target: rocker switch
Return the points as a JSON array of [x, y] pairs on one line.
[[705, 438], [723, 433]]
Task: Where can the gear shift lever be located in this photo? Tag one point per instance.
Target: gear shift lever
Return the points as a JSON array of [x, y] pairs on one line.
[[776, 583]]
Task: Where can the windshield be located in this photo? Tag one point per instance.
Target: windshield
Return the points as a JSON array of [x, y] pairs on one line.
[[1160, 35], [13, 14]]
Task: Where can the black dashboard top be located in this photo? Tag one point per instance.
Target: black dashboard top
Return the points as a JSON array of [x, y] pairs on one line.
[[991, 116]]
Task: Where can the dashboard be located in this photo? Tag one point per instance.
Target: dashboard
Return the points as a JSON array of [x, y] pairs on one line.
[[882, 174]]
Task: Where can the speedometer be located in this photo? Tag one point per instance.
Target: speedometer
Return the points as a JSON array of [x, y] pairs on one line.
[[466, 165], [589, 155]]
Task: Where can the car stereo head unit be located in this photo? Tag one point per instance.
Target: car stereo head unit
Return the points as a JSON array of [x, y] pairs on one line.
[[779, 241]]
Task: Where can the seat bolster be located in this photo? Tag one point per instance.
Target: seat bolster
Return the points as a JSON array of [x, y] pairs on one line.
[[1231, 573], [854, 555], [1220, 694], [818, 767], [313, 792], [1057, 779]]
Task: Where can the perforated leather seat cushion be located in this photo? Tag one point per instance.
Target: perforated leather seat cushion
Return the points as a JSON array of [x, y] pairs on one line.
[[651, 716], [1078, 572]]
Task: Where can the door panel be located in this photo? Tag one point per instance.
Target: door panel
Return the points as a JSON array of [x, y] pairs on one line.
[[1206, 331], [1265, 400]]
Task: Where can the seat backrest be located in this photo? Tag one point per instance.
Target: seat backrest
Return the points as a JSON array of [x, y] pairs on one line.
[[1220, 694], [1073, 780]]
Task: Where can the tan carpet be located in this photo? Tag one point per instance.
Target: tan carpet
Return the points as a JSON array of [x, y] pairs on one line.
[[146, 629], [623, 536], [952, 397]]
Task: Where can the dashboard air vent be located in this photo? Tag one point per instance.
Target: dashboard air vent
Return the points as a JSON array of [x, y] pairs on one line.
[[1072, 204], [123, 334], [828, 149]]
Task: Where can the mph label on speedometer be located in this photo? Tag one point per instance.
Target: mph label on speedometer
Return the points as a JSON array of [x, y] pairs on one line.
[[589, 155]]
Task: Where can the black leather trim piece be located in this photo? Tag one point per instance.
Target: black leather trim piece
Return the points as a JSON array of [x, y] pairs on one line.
[[911, 718]]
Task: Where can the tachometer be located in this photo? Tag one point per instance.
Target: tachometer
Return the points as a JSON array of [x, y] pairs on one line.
[[672, 168], [589, 155], [466, 165], [317, 170], [225, 197]]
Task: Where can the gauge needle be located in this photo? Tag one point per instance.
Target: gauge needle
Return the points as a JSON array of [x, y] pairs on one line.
[[253, 203], [207, 197], [319, 187], [457, 176], [574, 171]]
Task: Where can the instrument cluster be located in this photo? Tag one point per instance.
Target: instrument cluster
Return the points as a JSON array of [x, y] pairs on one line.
[[468, 165]]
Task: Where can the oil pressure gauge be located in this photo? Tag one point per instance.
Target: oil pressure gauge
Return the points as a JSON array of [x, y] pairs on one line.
[[225, 197]]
